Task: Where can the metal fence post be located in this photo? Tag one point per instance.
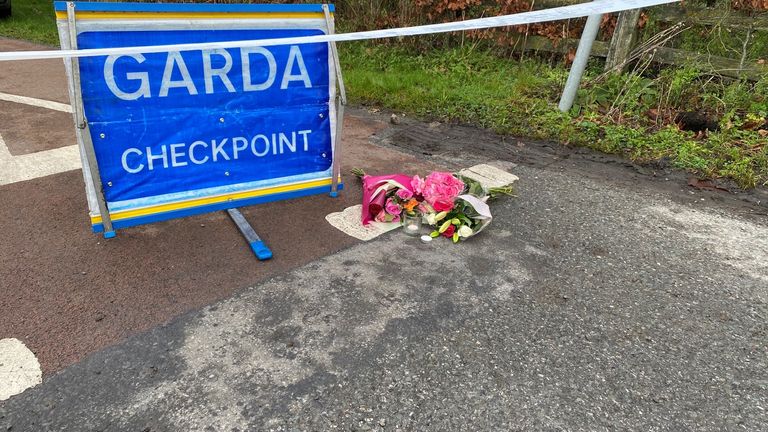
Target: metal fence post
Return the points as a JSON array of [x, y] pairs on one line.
[[580, 62]]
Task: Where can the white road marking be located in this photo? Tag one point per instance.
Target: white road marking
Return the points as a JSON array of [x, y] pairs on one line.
[[15, 169], [42, 103], [19, 368]]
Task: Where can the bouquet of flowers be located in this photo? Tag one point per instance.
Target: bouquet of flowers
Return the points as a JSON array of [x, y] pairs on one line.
[[454, 206]]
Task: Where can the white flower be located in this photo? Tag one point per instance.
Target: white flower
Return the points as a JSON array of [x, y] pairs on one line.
[[465, 231], [431, 218]]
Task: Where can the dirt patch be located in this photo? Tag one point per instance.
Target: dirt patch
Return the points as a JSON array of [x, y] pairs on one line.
[[446, 143]]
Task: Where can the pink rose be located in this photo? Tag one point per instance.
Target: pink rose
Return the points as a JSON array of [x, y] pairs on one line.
[[392, 208], [443, 205], [441, 186], [417, 184], [404, 194], [384, 217]]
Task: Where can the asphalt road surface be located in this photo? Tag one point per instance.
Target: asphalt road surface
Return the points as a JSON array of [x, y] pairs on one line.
[[67, 292], [605, 296]]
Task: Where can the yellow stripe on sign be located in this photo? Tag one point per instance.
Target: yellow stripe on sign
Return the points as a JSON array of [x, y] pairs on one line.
[[199, 202], [90, 15]]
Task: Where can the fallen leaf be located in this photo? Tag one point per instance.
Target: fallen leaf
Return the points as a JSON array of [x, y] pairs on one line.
[[752, 125], [642, 20], [571, 56], [705, 185]]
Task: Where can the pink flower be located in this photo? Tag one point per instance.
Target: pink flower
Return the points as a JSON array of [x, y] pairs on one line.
[[384, 217], [417, 184], [404, 194], [393, 208], [372, 205], [443, 205], [441, 186]]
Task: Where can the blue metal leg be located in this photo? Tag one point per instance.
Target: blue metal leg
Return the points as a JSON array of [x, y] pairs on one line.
[[261, 250], [110, 234], [258, 247]]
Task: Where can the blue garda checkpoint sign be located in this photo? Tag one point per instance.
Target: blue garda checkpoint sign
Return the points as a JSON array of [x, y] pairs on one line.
[[184, 132]]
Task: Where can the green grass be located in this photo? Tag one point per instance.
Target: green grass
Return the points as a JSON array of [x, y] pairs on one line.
[[32, 20], [520, 97]]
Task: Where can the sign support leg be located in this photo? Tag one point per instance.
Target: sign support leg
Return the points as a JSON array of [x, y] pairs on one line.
[[341, 102], [336, 171], [257, 245], [82, 124]]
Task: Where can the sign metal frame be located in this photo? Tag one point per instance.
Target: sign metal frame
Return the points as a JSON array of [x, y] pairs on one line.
[[341, 102], [76, 17], [81, 125]]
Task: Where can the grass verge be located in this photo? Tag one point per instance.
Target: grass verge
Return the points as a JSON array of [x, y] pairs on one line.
[[630, 115], [32, 20]]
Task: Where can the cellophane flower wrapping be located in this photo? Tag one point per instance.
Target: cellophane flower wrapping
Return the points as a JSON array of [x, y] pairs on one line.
[[375, 190]]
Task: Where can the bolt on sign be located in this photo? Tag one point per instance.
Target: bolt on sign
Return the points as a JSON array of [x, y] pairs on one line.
[[175, 133]]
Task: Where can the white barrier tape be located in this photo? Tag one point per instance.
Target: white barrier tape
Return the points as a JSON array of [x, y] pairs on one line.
[[555, 14]]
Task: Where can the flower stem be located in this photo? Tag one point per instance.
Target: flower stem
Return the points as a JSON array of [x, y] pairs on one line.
[[503, 190]]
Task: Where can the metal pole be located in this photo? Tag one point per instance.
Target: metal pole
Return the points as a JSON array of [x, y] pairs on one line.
[[341, 102], [335, 54], [82, 124], [580, 62], [336, 171]]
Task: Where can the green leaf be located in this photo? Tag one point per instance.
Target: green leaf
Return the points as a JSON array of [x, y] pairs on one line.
[[476, 189]]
